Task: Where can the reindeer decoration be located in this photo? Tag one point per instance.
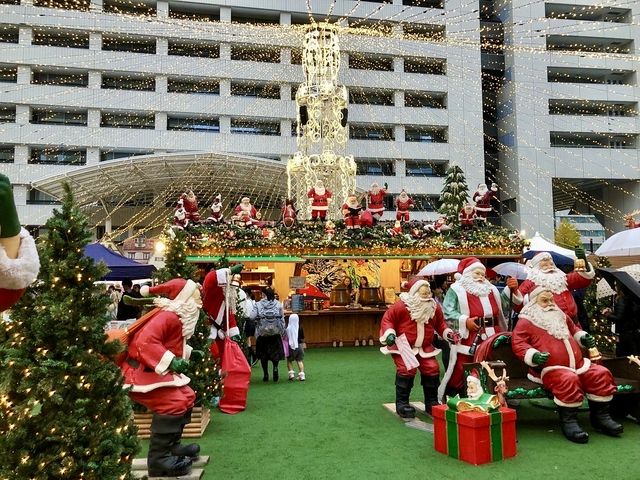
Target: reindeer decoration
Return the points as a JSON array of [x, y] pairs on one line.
[[501, 383], [630, 221]]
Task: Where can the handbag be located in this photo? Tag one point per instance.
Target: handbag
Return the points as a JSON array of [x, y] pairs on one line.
[[285, 346]]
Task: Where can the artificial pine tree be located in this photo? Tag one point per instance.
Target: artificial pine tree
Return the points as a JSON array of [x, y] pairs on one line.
[[454, 193], [600, 326], [176, 264], [63, 411]]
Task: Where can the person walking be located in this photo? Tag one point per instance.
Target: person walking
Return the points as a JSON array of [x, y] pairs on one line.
[[295, 337], [269, 317]]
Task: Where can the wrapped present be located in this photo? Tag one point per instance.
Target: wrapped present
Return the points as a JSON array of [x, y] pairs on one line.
[[475, 437]]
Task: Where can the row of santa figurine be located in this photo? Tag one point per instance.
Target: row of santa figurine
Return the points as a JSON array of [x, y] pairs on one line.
[[354, 215]]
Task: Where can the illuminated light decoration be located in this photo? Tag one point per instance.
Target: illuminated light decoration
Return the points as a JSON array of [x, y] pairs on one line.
[[322, 121]]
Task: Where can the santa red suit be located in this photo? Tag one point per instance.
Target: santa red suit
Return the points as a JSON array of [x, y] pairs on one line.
[[288, 215], [351, 213], [403, 204], [319, 196], [216, 211], [482, 198], [218, 295], [467, 216], [16, 274], [180, 219], [558, 282], [246, 213], [375, 200], [190, 203], [567, 374]]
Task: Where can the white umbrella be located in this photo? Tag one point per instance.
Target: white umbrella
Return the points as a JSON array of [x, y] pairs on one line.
[[540, 244], [622, 244], [511, 269], [603, 289], [633, 270], [440, 267]]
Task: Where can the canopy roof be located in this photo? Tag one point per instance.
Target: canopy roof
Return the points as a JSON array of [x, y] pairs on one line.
[[119, 267]]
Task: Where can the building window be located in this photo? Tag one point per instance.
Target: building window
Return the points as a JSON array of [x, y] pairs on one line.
[[376, 167], [7, 114], [425, 134], [117, 82], [106, 155], [362, 96], [77, 79], [428, 66], [592, 140], [60, 38], [82, 5], [200, 87], [126, 7], [363, 61], [8, 74], [186, 49], [371, 132], [128, 120], [193, 124], [140, 242], [422, 32], [7, 154], [146, 256], [199, 16], [128, 44], [131, 255], [255, 127], [425, 203], [255, 89], [58, 117], [424, 3], [60, 156], [296, 56], [252, 53], [509, 206], [425, 169], [36, 197], [9, 34], [425, 99]]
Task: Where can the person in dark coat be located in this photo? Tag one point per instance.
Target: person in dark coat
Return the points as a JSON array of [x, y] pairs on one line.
[[269, 316], [624, 317]]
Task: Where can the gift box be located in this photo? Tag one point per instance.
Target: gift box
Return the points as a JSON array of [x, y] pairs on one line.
[[475, 437]]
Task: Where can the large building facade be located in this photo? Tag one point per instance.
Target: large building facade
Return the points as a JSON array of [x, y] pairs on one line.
[[90, 82]]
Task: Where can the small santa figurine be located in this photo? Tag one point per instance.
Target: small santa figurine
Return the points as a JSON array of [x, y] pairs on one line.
[[351, 209], [190, 204], [403, 204], [482, 199], [439, 226], [19, 261], [467, 216], [320, 198], [375, 201], [330, 229], [245, 213], [289, 213], [216, 210], [180, 217], [396, 230]]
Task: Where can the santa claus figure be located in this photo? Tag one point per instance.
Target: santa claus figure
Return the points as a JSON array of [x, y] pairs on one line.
[[216, 210], [473, 306], [396, 230], [219, 298], [351, 209], [544, 273], [180, 217], [190, 204], [403, 205], [414, 319], [482, 198], [19, 262], [439, 226], [245, 213], [330, 229], [547, 340], [157, 357], [467, 216], [289, 213], [375, 201], [320, 198]]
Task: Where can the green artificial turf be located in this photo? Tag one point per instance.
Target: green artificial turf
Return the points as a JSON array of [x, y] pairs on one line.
[[333, 426]]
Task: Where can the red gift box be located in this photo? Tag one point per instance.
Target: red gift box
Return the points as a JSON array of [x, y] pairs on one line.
[[475, 437]]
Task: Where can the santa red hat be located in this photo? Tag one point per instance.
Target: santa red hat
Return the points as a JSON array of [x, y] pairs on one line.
[[537, 258], [176, 289], [535, 292], [414, 285], [468, 264]]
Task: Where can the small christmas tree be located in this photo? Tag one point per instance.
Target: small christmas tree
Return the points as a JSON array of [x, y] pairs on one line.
[[600, 326], [566, 235], [176, 264], [63, 411], [454, 193]]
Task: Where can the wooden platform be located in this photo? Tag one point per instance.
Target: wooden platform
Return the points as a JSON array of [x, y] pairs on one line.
[[200, 418], [412, 422], [139, 469]]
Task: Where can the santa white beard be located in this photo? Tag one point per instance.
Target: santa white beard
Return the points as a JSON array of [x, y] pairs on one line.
[[420, 309], [555, 280], [245, 207], [551, 319], [403, 197], [319, 190], [188, 311], [478, 289]]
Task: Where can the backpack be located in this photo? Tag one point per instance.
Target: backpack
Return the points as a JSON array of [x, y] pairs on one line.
[[269, 321]]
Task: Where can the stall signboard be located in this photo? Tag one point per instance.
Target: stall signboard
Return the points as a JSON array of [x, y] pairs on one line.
[[296, 282]]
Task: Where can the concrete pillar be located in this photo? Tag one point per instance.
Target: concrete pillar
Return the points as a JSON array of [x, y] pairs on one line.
[[285, 127], [96, 6], [398, 98], [161, 120], [225, 125], [21, 155], [399, 133], [398, 64], [161, 84], [401, 168], [225, 51], [95, 41], [108, 225], [95, 79], [162, 9], [93, 155], [23, 114], [24, 75], [225, 87], [285, 18], [25, 35], [162, 46], [285, 91], [225, 14], [285, 55], [93, 118], [20, 194]]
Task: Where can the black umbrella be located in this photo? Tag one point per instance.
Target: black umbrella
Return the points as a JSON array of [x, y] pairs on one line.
[[612, 275]]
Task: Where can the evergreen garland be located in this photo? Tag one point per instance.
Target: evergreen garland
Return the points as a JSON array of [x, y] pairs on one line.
[[454, 193], [63, 411]]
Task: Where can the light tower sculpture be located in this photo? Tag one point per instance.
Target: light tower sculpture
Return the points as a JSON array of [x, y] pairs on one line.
[[322, 125]]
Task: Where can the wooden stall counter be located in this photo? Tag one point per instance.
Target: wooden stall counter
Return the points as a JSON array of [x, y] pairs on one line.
[[335, 324]]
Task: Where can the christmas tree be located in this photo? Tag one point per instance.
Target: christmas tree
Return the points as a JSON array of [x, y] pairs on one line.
[[176, 264], [454, 193], [600, 326], [63, 411]]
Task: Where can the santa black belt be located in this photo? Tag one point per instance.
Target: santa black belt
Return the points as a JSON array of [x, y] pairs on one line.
[[485, 321]]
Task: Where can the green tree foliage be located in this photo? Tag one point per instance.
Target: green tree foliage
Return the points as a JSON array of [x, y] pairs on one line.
[[176, 264], [600, 326], [567, 236], [63, 411], [454, 193]]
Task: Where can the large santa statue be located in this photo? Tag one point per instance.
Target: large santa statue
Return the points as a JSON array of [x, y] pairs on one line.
[[403, 204], [320, 198], [375, 201], [544, 273], [245, 213], [547, 340], [156, 358], [351, 210], [482, 199], [19, 262], [190, 204], [473, 306], [414, 318]]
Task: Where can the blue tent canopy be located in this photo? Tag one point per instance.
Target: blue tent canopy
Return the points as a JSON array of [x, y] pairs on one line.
[[119, 267]]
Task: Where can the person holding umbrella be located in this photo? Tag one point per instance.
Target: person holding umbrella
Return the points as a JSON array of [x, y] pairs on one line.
[[625, 319]]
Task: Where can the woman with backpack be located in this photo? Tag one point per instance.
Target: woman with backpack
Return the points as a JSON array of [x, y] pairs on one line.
[[269, 316]]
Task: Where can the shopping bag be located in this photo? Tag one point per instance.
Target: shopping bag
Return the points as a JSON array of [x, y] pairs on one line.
[[236, 374], [285, 346]]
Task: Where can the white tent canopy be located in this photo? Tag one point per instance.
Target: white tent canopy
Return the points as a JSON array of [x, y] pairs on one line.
[[539, 244], [622, 244]]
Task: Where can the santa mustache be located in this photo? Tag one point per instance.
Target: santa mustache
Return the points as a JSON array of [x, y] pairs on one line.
[[550, 308], [548, 269]]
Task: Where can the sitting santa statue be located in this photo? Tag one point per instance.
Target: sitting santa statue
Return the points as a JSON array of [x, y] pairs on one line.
[[547, 340], [190, 204], [320, 198], [375, 201], [396, 229], [403, 204], [289, 213], [439, 226], [245, 213], [19, 262], [351, 210], [482, 198], [467, 216], [216, 210]]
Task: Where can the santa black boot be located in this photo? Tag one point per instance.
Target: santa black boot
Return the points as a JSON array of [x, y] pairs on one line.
[[570, 427], [601, 419], [430, 386], [403, 390], [191, 450], [166, 431]]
